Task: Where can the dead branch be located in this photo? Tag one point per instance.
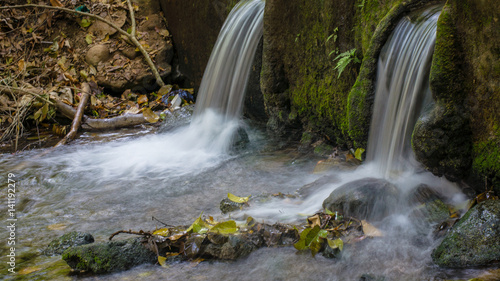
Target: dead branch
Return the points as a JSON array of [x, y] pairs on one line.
[[142, 233], [21, 91], [130, 36], [77, 120], [127, 120]]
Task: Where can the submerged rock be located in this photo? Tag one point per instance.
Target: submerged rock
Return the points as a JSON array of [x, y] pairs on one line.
[[72, 239], [109, 256], [428, 206], [368, 198], [474, 240]]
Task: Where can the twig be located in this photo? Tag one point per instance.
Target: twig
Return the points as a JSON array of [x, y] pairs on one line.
[[16, 90], [77, 121], [155, 219], [131, 36], [140, 232]]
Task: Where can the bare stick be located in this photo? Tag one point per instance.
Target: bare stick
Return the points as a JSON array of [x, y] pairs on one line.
[[131, 37], [33, 91], [77, 121], [142, 233]]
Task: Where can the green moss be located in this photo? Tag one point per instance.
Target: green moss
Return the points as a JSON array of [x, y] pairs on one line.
[[487, 159]]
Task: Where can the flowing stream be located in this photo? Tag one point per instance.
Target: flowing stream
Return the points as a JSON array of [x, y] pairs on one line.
[[103, 183]]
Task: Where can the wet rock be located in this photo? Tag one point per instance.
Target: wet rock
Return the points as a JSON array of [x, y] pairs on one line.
[[368, 198], [227, 206], [240, 140], [72, 239], [371, 277], [97, 54], [109, 256], [474, 240], [428, 206], [310, 188]]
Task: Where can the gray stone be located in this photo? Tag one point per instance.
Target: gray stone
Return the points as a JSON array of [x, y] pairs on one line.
[[96, 54], [474, 240], [368, 198], [72, 239]]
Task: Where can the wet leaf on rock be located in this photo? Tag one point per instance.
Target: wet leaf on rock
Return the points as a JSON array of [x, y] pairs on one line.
[[370, 230], [162, 232], [162, 261], [336, 244], [237, 199], [150, 116], [358, 154], [226, 227]]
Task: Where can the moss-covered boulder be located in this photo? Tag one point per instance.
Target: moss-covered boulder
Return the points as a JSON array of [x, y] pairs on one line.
[[368, 198], [474, 240], [72, 239], [109, 257], [461, 137]]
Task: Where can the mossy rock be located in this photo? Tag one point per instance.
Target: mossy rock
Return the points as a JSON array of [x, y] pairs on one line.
[[113, 256], [474, 240], [72, 239]]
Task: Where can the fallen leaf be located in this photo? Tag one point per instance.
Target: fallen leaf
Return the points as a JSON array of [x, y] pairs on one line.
[[237, 199], [162, 261], [88, 38], [57, 226], [142, 99], [226, 227], [314, 221], [28, 270], [162, 232], [150, 116], [359, 153], [370, 230], [337, 243], [56, 3]]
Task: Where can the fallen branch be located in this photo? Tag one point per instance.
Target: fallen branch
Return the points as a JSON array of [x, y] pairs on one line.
[[130, 36], [77, 120], [142, 233], [21, 91], [90, 124]]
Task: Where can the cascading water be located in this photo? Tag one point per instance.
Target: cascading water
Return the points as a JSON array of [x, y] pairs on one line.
[[401, 93], [225, 79]]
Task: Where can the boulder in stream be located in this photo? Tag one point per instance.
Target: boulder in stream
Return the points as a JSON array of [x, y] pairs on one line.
[[72, 239], [474, 240], [368, 198], [109, 256]]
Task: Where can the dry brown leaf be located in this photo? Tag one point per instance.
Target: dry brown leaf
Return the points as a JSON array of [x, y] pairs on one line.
[[370, 230], [56, 3]]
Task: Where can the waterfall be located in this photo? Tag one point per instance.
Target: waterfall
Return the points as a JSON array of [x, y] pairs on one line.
[[402, 92], [226, 75]]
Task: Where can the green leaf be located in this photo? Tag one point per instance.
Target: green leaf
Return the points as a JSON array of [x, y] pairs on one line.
[[328, 212], [237, 199], [336, 244], [226, 227], [198, 226], [162, 232], [301, 244], [88, 38], [358, 153], [85, 23]]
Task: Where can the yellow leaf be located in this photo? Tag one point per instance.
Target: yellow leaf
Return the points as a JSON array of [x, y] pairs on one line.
[[88, 38], [370, 230], [21, 65], [237, 199], [162, 232], [29, 270], [226, 227], [337, 243], [150, 116], [162, 261], [359, 153], [142, 99]]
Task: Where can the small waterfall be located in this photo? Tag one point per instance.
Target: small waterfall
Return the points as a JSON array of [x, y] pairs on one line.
[[226, 75], [402, 92]]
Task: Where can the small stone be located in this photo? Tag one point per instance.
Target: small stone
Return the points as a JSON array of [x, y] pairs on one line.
[[96, 54]]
